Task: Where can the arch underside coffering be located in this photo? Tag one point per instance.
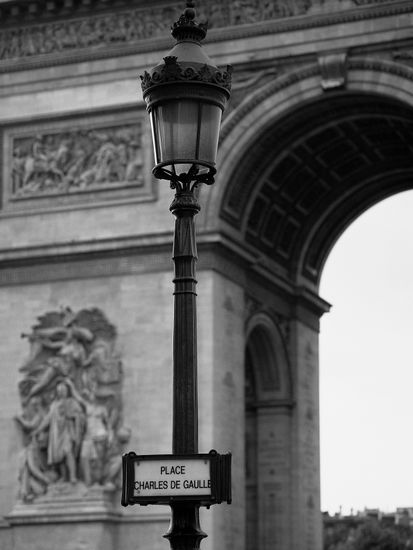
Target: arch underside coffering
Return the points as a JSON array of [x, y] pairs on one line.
[[310, 174]]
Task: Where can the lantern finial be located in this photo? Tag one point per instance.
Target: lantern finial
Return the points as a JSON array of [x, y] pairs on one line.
[[186, 28]]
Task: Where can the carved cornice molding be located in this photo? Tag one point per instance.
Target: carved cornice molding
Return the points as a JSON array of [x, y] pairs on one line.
[[43, 32], [86, 259], [371, 9], [18, 12], [26, 11], [262, 94], [286, 80], [371, 64]]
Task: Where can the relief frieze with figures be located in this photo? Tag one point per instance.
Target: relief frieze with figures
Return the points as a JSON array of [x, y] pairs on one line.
[[70, 394], [128, 27], [105, 156], [76, 160]]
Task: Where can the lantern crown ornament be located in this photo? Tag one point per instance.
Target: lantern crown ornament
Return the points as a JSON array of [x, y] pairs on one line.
[[187, 28], [185, 96]]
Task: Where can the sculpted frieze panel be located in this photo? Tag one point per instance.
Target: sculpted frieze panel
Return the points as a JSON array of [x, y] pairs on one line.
[[106, 157], [70, 394], [65, 162], [134, 25]]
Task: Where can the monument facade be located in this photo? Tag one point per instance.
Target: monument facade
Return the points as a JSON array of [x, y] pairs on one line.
[[318, 129]]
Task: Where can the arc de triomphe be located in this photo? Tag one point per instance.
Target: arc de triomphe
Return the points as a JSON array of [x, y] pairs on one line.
[[318, 130]]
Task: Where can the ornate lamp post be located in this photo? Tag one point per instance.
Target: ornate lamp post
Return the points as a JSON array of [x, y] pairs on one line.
[[185, 97]]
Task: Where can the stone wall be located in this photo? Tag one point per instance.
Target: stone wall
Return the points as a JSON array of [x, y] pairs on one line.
[[84, 226], [140, 307]]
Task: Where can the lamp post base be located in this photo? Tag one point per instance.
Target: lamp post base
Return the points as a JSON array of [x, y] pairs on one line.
[[185, 532]]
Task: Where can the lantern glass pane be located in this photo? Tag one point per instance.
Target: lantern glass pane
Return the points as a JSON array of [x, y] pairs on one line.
[[154, 131], [177, 129], [209, 133], [185, 132]]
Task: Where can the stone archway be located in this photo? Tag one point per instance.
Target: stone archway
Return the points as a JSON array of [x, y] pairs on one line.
[[298, 165], [268, 403], [328, 161], [258, 128]]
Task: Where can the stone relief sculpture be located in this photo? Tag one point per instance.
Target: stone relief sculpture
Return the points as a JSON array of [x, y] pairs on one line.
[[76, 160], [138, 24], [71, 401]]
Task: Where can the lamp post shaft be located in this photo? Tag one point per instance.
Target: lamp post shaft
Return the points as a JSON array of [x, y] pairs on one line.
[[184, 532], [185, 392]]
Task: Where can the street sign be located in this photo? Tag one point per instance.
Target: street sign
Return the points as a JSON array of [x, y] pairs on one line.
[[175, 477], [162, 479]]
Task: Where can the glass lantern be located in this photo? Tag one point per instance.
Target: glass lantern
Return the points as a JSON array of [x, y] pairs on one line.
[[185, 97]]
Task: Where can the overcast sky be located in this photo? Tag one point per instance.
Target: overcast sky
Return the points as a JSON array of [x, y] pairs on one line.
[[366, 355]]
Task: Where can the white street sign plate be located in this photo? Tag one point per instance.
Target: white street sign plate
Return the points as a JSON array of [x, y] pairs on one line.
[[167, 479], [185, 477]]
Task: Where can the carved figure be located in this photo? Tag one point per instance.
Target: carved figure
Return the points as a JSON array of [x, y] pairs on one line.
[[113, 463], [102, 366], [95, 441], [33, 417], [17, 170], [54, 367], [96, 434], [69, 342], [33, 475], [64, 422], [70, 395], [32, 461]]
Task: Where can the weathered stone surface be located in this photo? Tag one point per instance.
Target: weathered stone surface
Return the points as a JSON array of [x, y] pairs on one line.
[[288, 152]]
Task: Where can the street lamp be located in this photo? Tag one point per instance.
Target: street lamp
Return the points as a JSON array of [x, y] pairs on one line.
[[185, 97]]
